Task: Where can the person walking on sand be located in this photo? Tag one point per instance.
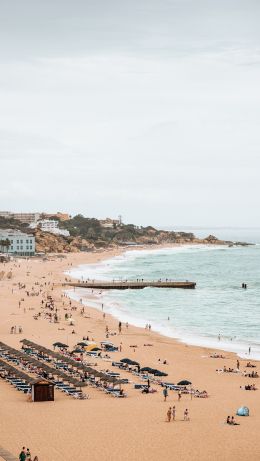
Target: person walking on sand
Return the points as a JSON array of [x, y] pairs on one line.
[[186, 415], [165, 393], [179, 396], [238, 364], [173, 412], [22, 456], [169, 414], [28, 455]]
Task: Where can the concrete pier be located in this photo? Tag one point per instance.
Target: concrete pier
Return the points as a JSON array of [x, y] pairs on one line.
[[130, 284]]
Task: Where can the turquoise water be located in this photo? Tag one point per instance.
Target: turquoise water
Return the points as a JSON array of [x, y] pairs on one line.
[[218, 305]]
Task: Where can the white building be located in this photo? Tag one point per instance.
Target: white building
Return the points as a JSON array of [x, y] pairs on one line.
[[110, 223], [19, 243], [50, 225]]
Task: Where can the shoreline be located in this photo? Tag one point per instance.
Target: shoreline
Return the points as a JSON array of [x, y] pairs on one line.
[[94, 300]]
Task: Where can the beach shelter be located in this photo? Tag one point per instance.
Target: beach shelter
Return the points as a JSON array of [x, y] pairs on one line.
[[42, 390], [243, 411]]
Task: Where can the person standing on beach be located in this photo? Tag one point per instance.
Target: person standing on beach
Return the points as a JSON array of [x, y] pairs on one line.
[[165, 393], [179, 396], [173, 412], [238, 364], [22, 456], [120, 327], [186, 415], [169, 414]]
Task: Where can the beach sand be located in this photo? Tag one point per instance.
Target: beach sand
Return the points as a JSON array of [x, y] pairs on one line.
[[104, 428]]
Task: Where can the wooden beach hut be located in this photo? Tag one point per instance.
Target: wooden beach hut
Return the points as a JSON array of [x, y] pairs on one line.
[[42, 390]]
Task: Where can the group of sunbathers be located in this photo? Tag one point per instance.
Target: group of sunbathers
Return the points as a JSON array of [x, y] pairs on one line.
[[217, 356], [249, 387], [228, 370], [254, 374], [231, 421]]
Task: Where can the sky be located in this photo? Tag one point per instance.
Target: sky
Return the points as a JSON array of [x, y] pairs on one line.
[[145, 108]]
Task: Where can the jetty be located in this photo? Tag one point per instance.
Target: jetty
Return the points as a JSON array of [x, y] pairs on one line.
[[130, 284]]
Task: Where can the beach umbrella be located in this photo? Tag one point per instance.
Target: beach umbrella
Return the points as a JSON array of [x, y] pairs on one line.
[[153, 371], [126, 361], [129, 362], [81, 343], [93, 347], [77, 351], [184, 382], [149, 369], [160, 373], [58, 344]]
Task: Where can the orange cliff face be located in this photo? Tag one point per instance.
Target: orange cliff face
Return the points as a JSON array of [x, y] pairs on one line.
[[47, 242]]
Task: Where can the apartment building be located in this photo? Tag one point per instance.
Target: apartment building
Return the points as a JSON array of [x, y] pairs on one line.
[[23, 217], [50, 225], [17, 242]]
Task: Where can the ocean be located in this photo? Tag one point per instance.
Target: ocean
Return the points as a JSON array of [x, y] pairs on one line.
[[217, 307]]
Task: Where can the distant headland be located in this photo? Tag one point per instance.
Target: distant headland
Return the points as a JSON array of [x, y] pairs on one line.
[[62, 233]]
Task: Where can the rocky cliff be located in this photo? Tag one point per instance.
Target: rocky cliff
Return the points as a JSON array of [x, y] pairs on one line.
[[50, 243]]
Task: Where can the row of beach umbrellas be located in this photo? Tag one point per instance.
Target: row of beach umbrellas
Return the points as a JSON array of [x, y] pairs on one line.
[[150, 370], [153, 371], [79, 365]]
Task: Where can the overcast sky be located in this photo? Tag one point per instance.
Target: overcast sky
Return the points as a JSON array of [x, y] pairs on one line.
[[145, 108]]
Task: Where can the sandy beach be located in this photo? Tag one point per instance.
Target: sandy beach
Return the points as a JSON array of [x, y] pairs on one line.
[[110, 429]]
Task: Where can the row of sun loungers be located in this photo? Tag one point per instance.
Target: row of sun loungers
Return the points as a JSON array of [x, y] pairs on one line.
[[25, 386], [62, 369]]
